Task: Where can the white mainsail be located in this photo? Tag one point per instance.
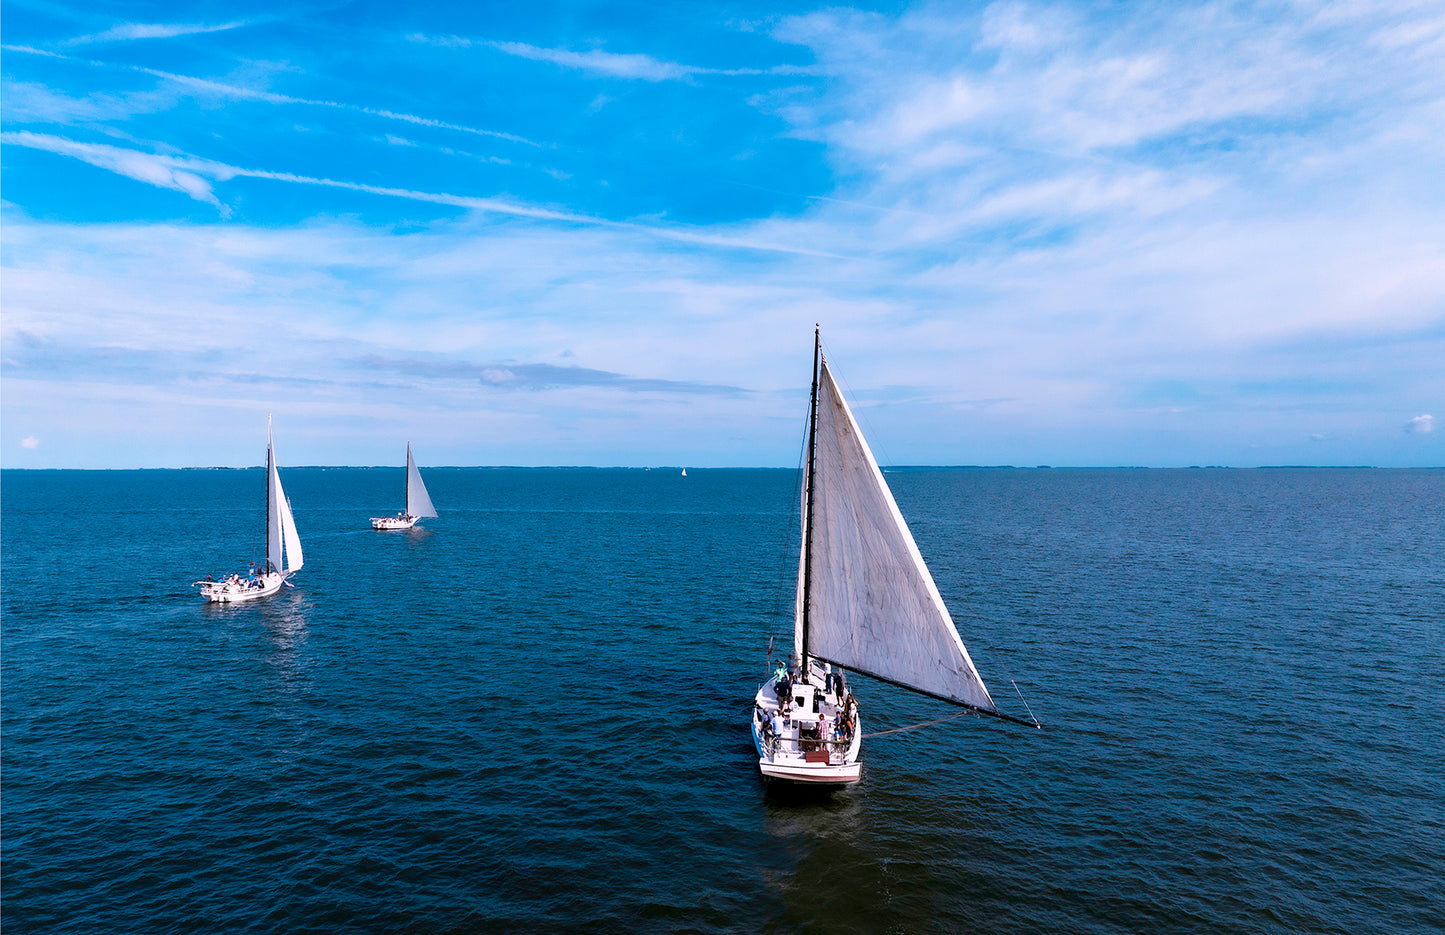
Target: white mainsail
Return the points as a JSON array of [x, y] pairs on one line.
[[873, 606], [289, 535], [283, 544], [418, 503]]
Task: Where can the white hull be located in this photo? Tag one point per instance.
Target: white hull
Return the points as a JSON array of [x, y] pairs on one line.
[[802, 747], [393, 522], [237, 588]]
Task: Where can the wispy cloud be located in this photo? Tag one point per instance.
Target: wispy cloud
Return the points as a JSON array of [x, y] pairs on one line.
[[161, 171], [1037, 81], [306, 322], [189, 175], [596, 61], [126, 32], [28, 102], [628, 65], [535, 376], [1420, 425], [220, 89], [30, 442]]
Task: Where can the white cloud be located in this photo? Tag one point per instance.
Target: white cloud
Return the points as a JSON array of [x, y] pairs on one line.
[[1053, 340], [290, 315], [204, 86], [27, 102], [628, 65], [1084, 95], [188, 174], [611, 64], [1420, 425], [1022, 27], [160, 171], [30, 441], [126, 32]]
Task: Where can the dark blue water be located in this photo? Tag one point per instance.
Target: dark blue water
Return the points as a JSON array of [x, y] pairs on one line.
[[531, 715]]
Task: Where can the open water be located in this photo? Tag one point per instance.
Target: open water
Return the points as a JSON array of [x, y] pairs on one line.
[[530, 715]]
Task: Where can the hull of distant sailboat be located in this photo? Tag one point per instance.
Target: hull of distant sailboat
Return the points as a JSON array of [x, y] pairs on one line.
[[800, 748], [235, 589], [393, 522]]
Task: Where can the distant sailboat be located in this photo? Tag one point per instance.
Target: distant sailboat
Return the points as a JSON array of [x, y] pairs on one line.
[[865, 600], [418, 503], [684, 472], [283, 546]]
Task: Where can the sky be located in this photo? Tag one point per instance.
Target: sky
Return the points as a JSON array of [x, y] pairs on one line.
[[1090, 234]]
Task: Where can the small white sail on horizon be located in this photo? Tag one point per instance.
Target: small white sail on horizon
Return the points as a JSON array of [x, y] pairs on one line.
[[865, 601], [283, 546], [418, 501]]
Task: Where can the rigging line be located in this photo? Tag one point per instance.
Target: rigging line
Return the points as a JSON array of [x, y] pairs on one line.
[[899, 730], [1026, 704]]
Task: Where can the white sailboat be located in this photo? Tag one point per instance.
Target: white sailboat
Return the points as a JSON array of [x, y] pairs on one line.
[[865, 601], [283, 546], [418, 502]]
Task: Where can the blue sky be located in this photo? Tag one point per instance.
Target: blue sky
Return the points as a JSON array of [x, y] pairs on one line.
[[1062, 233]]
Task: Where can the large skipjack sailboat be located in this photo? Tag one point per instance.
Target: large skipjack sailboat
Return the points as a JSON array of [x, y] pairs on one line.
[[418, 503], [865, 601], [283, 546]]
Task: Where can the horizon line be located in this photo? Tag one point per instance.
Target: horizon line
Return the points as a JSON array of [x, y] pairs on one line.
[[761, 467]]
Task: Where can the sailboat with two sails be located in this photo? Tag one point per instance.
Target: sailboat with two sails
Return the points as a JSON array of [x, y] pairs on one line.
[[865, 601], [283, 547], [418, 502]]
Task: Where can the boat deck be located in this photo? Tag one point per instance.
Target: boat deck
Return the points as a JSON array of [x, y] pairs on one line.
[[809, 732], [237, 588], [401, 521]]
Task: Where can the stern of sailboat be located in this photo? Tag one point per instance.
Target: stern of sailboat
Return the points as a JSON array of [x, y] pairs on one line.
[[808, 732], [237, 589]]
